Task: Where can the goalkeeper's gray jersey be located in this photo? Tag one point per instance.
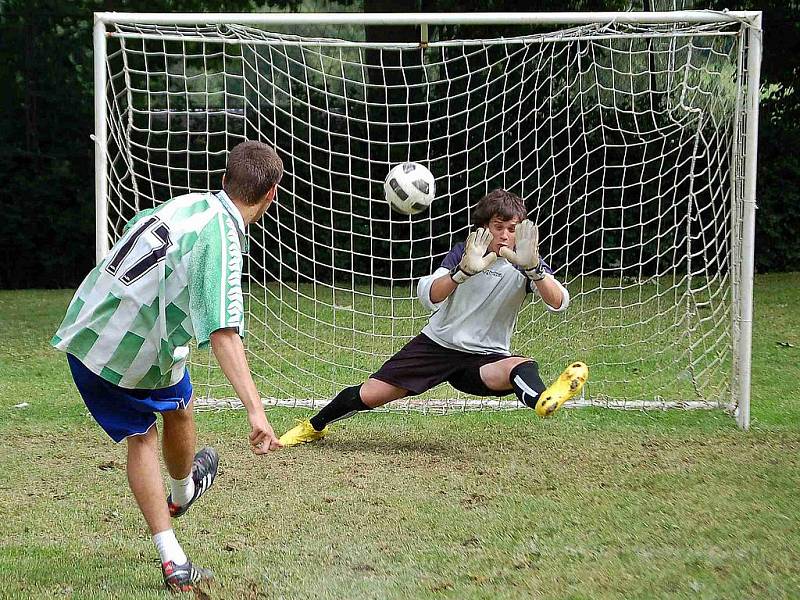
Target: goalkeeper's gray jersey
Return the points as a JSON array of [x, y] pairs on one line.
[[480, 315]]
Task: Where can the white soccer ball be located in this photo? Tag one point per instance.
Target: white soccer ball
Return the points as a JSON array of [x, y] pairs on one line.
[[409, 188]]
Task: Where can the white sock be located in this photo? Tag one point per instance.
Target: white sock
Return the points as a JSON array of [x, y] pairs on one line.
[[168, 547], [182, 490]]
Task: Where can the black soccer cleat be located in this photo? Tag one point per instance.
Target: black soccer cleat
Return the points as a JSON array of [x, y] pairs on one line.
[[204, 471], [181, 578]]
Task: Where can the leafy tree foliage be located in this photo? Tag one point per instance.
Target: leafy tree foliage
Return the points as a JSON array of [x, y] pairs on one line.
[[46, 117], [778, 195]]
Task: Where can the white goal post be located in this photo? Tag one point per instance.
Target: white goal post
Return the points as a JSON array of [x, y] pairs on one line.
[[631, 136]]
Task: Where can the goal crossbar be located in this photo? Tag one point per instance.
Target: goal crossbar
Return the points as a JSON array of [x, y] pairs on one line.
[[488, 18]]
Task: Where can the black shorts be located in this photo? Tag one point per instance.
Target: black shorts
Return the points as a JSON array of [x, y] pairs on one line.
[[422, 364]]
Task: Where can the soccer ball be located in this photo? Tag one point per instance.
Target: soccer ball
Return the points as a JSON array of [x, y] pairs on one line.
[[409, 188]]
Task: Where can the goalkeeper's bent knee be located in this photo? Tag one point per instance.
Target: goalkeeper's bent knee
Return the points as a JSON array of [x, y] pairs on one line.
[[528, 386]]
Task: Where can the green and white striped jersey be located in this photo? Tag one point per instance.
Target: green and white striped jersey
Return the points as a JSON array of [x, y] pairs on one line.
[[174, 275]]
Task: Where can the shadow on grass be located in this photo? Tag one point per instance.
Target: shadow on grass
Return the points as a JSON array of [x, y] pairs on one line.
[[389, 446]]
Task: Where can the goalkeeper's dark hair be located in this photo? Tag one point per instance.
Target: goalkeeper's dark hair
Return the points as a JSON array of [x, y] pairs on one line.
[[253, 168], [501, 204]]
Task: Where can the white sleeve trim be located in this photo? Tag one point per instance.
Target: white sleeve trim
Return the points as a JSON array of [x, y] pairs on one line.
[[424, 289], [564, 297]]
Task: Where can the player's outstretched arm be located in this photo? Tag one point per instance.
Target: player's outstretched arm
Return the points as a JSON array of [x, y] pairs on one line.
[[526, 256], [474, 260], [441, 288], [229, 350]]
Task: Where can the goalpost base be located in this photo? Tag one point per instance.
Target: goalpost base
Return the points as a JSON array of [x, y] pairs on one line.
[[456, 405]]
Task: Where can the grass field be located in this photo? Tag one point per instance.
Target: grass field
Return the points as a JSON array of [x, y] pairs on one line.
[[590, 504]]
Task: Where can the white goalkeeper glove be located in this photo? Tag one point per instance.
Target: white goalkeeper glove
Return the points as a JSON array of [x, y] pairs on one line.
[[526, 255], [473, 261]]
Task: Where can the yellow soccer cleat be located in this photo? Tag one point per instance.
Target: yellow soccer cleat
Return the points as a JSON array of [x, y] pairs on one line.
[[568, 385], [302, 433]]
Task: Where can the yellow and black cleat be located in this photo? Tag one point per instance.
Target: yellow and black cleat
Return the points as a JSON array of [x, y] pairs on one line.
[[302, 433], [567, 386]]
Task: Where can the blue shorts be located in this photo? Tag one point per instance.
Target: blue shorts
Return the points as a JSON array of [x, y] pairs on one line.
[[122, 412]]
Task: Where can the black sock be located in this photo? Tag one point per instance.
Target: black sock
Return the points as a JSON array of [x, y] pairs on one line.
[[345, 404], [527, 383]]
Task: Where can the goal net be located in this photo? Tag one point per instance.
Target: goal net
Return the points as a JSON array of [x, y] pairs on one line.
[[626, 139]]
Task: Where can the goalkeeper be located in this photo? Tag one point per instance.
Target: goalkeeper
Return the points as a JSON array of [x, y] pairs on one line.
[[175, 274], [476, 295]]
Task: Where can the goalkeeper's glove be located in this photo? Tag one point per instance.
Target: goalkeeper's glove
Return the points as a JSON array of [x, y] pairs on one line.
[[526, 255], [473, 261]]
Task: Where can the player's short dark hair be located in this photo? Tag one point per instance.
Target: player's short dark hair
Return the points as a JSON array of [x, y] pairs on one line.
[[501, 204], [253, 168]]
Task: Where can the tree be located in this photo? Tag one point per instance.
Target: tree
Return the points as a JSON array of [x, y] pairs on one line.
[[46, 118], [778, 194]]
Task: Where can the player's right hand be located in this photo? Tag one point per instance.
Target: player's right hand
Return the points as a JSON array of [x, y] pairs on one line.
[[475, 258], [262, 437]]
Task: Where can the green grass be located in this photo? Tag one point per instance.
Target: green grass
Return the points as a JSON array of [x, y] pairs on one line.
[[590, 504]]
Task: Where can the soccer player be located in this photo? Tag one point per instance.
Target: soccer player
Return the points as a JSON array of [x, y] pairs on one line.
[[476, 295], [174, 275]]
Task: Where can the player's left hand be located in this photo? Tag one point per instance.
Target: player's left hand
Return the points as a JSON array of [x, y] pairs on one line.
[[526, 254]]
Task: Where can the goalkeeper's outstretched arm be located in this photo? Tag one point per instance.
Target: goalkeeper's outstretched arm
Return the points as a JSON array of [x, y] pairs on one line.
[[474, 260], [526, 256], [552, 292], [441, 288]]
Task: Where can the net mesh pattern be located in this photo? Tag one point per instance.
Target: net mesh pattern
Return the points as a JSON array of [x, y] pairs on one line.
[[625, 141]]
